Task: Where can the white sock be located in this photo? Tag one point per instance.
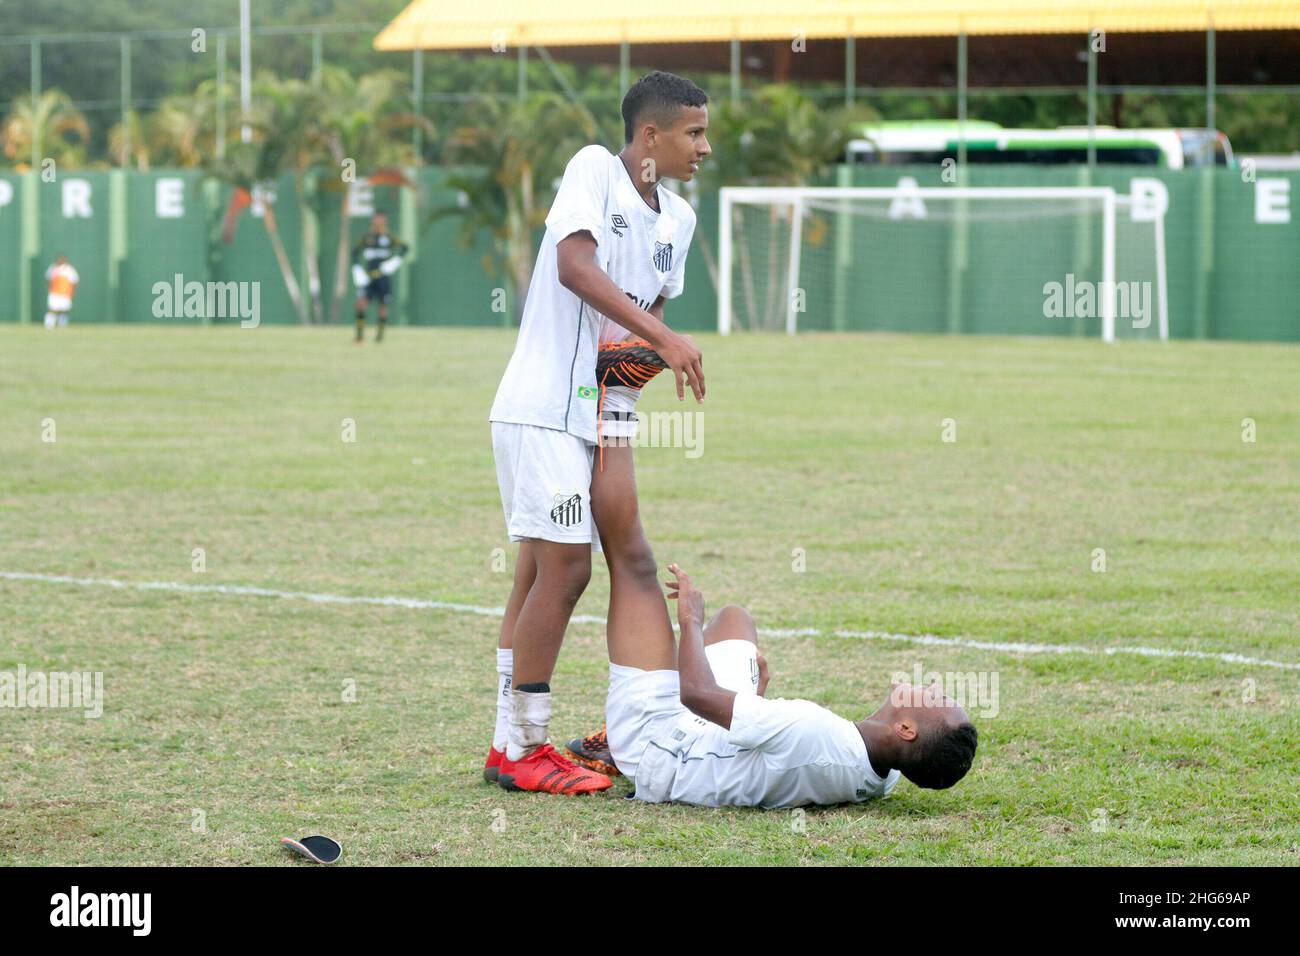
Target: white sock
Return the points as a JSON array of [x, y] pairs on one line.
[[49, 320], [530, 720], [505, 668]]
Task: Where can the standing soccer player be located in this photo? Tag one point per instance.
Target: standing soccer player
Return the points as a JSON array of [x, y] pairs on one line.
[[615, 240], [63, 280], [636, 604], [374, 260]]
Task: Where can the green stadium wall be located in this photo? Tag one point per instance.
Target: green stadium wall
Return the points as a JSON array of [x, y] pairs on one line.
[[1233, 249]]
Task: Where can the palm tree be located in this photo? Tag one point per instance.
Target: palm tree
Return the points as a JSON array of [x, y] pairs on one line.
[[307, 130], [277, 122], [514, 149], [61, 130], [182, 131], [360, 120], [291, 114], [138, 141]]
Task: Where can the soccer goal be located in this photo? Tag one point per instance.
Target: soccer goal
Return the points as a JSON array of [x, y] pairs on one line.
[[1064, 260]]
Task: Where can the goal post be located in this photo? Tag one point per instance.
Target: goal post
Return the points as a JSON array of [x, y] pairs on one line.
[[839, 257], [1140, 257]]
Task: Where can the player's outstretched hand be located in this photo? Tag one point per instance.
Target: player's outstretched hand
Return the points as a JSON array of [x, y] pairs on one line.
[[682, 355], [690, 602]]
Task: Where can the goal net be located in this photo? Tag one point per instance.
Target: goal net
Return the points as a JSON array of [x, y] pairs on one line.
[[1006, 260]]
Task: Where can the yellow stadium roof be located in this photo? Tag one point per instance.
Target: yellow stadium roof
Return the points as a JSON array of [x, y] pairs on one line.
[[440, 25]]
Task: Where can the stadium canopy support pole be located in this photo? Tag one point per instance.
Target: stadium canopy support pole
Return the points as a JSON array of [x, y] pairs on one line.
[[31, 235], [850, 67], [724, 261], [245, 72], [125, 57], [521, 82], [1108, 268], [961, 98], [316, 57], [960, 236], [408, 227], [1209, 73], [796, 243], [735, 69], [1092, 104], [624, 67], [417, 100], [118, 228], [554, 70], [1161, 279], [221, 96], [1204, 251], [1129, 211], [36, 102]]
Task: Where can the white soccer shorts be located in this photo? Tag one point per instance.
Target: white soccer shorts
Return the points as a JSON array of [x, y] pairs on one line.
[[545, 480], [646, 705]]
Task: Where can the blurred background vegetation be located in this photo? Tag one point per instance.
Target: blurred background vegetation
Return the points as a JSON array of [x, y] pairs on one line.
[[172, 121]]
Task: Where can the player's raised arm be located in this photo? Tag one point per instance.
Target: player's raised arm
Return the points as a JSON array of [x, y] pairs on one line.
[[700, 692], [579, 273]]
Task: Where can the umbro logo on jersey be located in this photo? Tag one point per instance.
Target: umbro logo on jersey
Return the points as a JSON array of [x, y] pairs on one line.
[[567, 511], [618, 222], [664, 256]]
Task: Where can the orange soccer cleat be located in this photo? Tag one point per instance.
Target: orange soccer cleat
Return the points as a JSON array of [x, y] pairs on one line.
[[593, 753]]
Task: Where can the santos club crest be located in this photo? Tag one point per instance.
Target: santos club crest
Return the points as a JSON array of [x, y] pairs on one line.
[[567, 511], [663, 256]]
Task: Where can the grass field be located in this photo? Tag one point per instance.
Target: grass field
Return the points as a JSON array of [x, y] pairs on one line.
[[168, 440]]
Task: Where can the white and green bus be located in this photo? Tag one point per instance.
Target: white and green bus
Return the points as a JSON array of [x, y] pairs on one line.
[[932, 141]]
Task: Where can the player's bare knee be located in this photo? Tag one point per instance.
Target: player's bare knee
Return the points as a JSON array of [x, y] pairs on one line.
[[633, 557], [566, 570], [731, 623]]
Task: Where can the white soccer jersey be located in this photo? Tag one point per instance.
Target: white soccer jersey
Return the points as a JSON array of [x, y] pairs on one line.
[[778, 753], [551, 378]]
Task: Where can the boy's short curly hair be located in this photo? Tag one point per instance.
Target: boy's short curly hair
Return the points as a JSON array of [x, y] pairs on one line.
[[658, 96]]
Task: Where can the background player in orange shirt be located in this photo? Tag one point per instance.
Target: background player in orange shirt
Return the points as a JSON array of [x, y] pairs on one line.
[[63, 281]]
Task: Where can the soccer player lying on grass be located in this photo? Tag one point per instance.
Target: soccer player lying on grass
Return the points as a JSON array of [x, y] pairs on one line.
[[694, 727]]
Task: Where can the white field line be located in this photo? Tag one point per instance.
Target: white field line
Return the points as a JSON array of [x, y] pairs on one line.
[[421, 604]]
